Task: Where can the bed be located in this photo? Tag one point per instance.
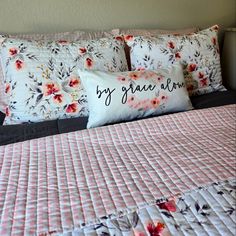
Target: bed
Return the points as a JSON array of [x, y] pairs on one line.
[[130, 170]]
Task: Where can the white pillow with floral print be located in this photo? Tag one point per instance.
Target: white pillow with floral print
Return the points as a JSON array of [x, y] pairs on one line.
[[198, 52], [120, 96], [41, 77]]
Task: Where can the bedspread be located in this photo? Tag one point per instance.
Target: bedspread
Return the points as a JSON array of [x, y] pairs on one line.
[[71, 181]]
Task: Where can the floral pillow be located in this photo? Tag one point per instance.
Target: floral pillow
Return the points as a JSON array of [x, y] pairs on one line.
[[197, 52], [41, 77], [120, 96], [70, 36]]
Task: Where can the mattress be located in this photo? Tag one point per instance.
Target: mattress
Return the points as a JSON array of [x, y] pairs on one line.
[[168, 175]]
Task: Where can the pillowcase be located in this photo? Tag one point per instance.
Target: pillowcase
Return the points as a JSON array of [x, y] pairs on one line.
[[69, 36], [127, 33], [155, 32], [122, 96], [198, 52], [41, 77]]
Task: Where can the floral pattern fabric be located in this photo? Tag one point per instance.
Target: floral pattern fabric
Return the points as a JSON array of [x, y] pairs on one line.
[[197, 52], [209, 210], [41, 77], [69, 36], [121, 96]]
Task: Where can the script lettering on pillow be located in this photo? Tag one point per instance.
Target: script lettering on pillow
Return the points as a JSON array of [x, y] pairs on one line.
[[120, 96]]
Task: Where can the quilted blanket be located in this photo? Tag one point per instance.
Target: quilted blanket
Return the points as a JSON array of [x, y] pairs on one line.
[[127, 179]]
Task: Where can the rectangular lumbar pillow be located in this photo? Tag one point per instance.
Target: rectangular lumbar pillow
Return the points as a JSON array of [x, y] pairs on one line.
[[41, 77], [197, 52], [121, 96]]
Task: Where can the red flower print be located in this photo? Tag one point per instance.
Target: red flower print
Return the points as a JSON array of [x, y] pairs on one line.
[[169, 206], [63, 42], [134, 75], [164, 97], [215, 27], [19, 64], [74, 82], [155, 102], [171, 45], [58, 98], [128, 37], [8, 88], [200, 75], [177, 55], [72, 108], [203, 82], [119, 38], [89, 63], [131, 99], [139, 234], [155, 230], [122, 79], [190, 87], [7, 111], [140, 69], [13, 51], [50, 88], [214, 41], [82, 50], [192, 67]]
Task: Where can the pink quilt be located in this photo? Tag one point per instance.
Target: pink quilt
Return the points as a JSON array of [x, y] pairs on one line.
[[65, 183]]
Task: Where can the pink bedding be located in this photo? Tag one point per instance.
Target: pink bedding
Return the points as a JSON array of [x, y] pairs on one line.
[[69, 182]]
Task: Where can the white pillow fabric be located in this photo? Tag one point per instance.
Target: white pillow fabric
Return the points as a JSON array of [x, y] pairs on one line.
[[69, 36], [197, 52], [121, 96], [41, 77]]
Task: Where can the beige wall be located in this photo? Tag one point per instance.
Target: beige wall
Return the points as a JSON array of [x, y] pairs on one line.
[[64, 15]]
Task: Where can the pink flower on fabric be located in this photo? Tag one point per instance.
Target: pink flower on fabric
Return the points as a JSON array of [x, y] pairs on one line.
[[164, 98], [7, 111], [214, 41], [139, 234], [19, 64], [171, 45], [203, 82], [89, 63], [177, 55], [50, 88], [155, 102], [13, 51], [159, 78], [119, 38], [122, 79], [155, 230], [72, 108], [128, 37], [82, 50], [134, 75], [74, 82], [140, 69], [131, 99], [190, 87], [200, 75], [169, 206], [192, 67], [63, 42], [8, 88], [215, 27], [58, 98]]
